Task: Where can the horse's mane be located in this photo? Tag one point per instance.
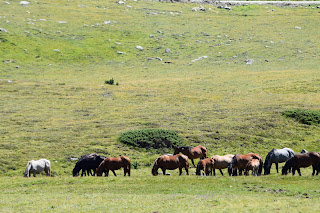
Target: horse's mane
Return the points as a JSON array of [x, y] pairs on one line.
[[185, 147]]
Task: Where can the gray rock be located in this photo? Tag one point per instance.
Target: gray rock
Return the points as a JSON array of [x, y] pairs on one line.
[[3, 30]]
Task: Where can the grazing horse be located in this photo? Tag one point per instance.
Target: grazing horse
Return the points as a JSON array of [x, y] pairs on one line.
[[165, 162], [192, 152], [302, 161], [277, 156], [36, 167], [205, 165], [221, 162], [254, 166], [87, 163], [240, 162], [112, 164]]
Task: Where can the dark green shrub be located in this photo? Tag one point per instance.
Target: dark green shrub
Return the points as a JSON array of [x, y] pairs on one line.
[[111, 81], [305, 116], [151, 138]]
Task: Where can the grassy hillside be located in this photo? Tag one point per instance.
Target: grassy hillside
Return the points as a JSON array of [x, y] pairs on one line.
[[192, 76]]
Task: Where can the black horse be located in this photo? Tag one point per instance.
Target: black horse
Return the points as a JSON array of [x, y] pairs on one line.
[[87, 163]]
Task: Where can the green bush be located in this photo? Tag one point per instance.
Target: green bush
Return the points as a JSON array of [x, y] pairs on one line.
[[151, 138], [305, 116]]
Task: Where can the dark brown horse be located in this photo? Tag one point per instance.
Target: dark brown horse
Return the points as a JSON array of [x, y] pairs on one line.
[[205, 165], [112, 164], [192, 152], [240, 162], [302, 161], [165, 162]]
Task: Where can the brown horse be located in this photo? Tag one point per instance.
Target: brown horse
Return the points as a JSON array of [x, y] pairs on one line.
[[303, 161], [254, 166], [165, 162], [221, 162], [112, 164], [205, 165], [240, 162], [192, 152]]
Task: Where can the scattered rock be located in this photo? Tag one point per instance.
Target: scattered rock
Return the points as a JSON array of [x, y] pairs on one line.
[[121, 2], [107, 22], [249, 61], [62, 22], [296, 27], [3, 30], [197, 59], [24, 3], [139, 48], [167, 50], [56, 50]]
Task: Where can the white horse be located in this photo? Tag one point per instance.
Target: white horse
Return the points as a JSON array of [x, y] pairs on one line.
[[277, 156], [36, 167]]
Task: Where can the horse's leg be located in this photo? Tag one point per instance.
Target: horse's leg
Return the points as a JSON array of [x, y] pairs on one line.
[[114, 172], [214, 172], [187, 169], [192, 162], [107, 173], [293, 171], [240, 172], [221, 172], [277, 167], [180, 170], [299, 171], [164, 171]]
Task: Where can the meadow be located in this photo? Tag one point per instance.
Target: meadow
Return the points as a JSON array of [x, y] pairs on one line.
[[218, 78]]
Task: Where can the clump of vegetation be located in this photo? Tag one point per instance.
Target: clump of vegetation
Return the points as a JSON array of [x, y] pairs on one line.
[[111, 82], [305, 116], [151, 138]]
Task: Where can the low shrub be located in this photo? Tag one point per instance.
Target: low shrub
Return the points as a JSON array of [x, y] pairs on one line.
[[304, 116], [151, 138]]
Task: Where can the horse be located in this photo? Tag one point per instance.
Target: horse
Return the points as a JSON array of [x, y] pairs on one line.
[[277, 156], [165, 162], [192, 152], [36, 167], [114, 163], [240, 162], [205, 165], [87, 163], [254, 166], [221, 162], [303, 161]]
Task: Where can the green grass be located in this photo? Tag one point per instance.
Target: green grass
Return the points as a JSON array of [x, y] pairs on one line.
[[56, 105], [144, 193]]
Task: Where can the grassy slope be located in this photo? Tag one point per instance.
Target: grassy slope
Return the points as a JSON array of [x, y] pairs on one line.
[[57, 105]]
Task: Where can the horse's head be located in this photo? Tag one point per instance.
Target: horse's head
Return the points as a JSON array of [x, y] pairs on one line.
[[177, 150], [76, 170], [155, 167]]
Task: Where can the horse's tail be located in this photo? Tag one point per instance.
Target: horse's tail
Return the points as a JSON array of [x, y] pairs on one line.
[[231, 165], [204, 152], [28, 167], [260, 166], [198, 172]]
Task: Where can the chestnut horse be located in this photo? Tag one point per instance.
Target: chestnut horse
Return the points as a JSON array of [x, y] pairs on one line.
[[254, 166], [192, 152], [112, 164], [221, 162], [165, 162], [205, 165], [240, 162], [302, 161]]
